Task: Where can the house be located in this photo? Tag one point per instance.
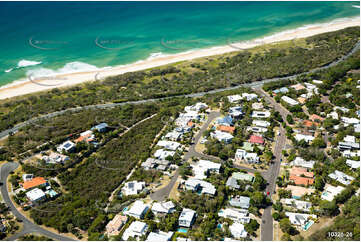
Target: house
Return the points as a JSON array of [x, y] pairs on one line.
[[330, 192], [298, 87], [333, 115], [316, 118], [203, 167], [55, 158], [298, 180], [300, 219], [242, 155], [174, 135], [249, 96], [348, 145], [200, 186], [356, 128], [169, 145], [317, 81], [345, 110], [36, 195], [163, 154], [261, 123], [240, 201], [222, 136], [138, 210], [35, 182], [301, 100], [163, 207], [235, 214], [225, 121], [227, 129], [257, 106], [235, 112], [27, 177], [261, 114], [353, 164], [135, 229], [257, 129], [280, 90], [234, 98], [349, 154], [237, 230], [67, 146], [289, 101], [300, 171], [341, 177], [159, 236], [298, 161], [232, 183], [304, 137], [102, 127], [186, 217], [86, 136], [132, 188], [298, 191], [243, 176], [300, 205], [349, 121], [255, 139], [196, 107], [114, 226], [152, 163]]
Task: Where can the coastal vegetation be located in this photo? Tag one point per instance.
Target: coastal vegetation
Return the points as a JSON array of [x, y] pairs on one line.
[[204, 74]]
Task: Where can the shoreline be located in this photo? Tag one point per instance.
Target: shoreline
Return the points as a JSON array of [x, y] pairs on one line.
[[18, 88]]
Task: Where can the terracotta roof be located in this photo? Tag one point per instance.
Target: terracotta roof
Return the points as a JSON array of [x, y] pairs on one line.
[[299, 191], [302, 100], [228, 129], [36, 181], [190, 124], [309, 123], [301, 180], [256, 139], [298, 171], [315, 117], [298, 87]]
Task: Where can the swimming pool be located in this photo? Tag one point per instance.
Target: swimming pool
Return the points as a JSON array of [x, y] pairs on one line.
[[308, 225], [182, 230]]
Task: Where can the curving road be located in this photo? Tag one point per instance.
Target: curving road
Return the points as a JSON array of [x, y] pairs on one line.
[[28, 226], [199, 94]]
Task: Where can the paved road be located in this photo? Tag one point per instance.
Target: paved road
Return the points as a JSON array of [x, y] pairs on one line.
[[111, 105], [28, 226], [273, 171]]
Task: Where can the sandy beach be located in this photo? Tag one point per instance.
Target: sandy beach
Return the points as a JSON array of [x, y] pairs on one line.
[[47, 83]]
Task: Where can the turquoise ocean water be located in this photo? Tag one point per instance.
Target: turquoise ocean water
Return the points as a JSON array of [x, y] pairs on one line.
[[42, 38]]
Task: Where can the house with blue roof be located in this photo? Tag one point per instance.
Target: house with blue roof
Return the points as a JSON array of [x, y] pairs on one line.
[[102, 127], [226, 121]]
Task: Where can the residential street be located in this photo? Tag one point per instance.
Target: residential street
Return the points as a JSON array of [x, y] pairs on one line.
[[28, 226]]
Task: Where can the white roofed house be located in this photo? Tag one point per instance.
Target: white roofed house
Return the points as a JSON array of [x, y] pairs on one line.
[[257, 106], [300, 205], [261, 114], [135, 230], [298, 161], [304, 137], [249, 96], [234, 98], [237, 230], [196, 107], [186, 217], [289, 101], [133, 188], [67, 146], [330, 192], [169, 145], [341, 177], [257, 129], [222, 136], [137, 210], [240, 201], [347, 121], [201, 186], [353, 164], [163, 154], [174, 135], [203, 167], [36, 195], [261, 123], [160, 208], [159, 236], [300, 219], [242, 155], [28, 177], [235, 214], [235, 112]]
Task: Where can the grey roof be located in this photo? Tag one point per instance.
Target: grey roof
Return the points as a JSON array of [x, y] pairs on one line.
[[232, 182]]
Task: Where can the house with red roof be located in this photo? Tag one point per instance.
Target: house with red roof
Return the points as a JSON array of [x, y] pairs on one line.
[[255, 139]]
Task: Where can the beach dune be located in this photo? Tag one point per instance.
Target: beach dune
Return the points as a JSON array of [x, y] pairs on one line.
[[62, 80]]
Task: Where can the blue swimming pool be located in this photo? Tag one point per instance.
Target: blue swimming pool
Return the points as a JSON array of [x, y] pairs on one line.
[[182, 230], [308, 225]]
